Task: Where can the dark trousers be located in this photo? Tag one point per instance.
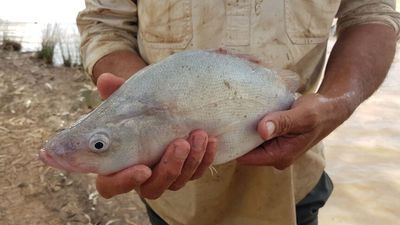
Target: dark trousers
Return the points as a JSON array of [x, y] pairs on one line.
[[306, 209]]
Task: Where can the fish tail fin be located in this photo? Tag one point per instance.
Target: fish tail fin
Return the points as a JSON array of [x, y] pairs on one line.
[[290, 78]]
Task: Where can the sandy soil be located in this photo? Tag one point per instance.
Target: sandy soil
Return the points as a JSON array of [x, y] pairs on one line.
[[36, 100]]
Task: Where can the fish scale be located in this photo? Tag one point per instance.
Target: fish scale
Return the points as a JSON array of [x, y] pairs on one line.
[[223, 94]]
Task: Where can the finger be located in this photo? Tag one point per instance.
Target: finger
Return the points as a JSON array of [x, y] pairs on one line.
[[276, 124], [123, 181], [294, 121], [107, 83], [260, 156], [167, 170], [208, 158], [198, 144], [280, 152]]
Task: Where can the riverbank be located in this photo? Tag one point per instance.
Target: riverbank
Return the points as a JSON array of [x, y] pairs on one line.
[[36, 100]]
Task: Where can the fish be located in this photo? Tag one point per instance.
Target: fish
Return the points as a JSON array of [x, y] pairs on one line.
[[222, 93]]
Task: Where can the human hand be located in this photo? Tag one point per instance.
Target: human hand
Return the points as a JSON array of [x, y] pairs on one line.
[[289, 134], [183, 160]]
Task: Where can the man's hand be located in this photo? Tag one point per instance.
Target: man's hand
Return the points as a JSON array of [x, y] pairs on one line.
[[289, 134], [356, 67], [183, 160]]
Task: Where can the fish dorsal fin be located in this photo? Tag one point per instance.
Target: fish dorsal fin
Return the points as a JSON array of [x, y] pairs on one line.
[[290, 78], [244, 56]]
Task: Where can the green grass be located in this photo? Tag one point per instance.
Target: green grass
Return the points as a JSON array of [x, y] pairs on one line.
[[50, 38], [66, 53], [69, 47]]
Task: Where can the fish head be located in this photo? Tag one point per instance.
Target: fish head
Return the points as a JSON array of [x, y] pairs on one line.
[[85, 149]]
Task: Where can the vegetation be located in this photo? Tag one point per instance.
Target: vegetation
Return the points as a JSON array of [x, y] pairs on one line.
[[50, 38], [57, 46], [10, 45], [66, 54], [70, 51], [7, 42]]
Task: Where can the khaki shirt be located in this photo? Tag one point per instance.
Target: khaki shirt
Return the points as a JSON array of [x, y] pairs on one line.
[[290, 34]]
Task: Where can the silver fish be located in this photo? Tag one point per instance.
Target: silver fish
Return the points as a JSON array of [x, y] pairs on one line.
[[226, 95]]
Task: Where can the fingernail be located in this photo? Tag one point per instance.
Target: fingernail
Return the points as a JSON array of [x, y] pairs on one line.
[[180, 153], [198, 142], [270, 129]]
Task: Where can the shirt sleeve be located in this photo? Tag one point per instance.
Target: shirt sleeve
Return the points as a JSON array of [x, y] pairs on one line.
[[352, 12], [106, 27]]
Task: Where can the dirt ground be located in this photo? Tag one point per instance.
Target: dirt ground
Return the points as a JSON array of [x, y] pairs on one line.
[[36, 100]]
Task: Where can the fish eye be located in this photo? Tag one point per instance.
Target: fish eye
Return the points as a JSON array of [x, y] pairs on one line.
[[99, 142], [99, 145]]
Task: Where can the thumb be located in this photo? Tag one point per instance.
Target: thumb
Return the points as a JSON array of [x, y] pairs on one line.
[[279, 123], [107, 83]]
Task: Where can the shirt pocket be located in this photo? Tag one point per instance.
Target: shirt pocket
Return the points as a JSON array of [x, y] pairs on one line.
[[309, 21], [166, 23]]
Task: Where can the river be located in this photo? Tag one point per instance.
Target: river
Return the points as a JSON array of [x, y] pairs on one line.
[[363, 160], [30, 35]]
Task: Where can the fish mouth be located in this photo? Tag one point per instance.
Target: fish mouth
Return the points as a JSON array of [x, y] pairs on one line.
[[50, 160]]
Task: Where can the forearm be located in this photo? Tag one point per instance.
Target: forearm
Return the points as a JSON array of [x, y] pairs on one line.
[[358, 64], [121, 63], [107, 27]]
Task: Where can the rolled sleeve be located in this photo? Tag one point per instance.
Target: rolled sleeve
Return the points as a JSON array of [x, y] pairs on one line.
[[353, 12], [106, 27]]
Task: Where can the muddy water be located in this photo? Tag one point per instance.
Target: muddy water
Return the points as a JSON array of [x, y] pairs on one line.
[[363, 159]]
